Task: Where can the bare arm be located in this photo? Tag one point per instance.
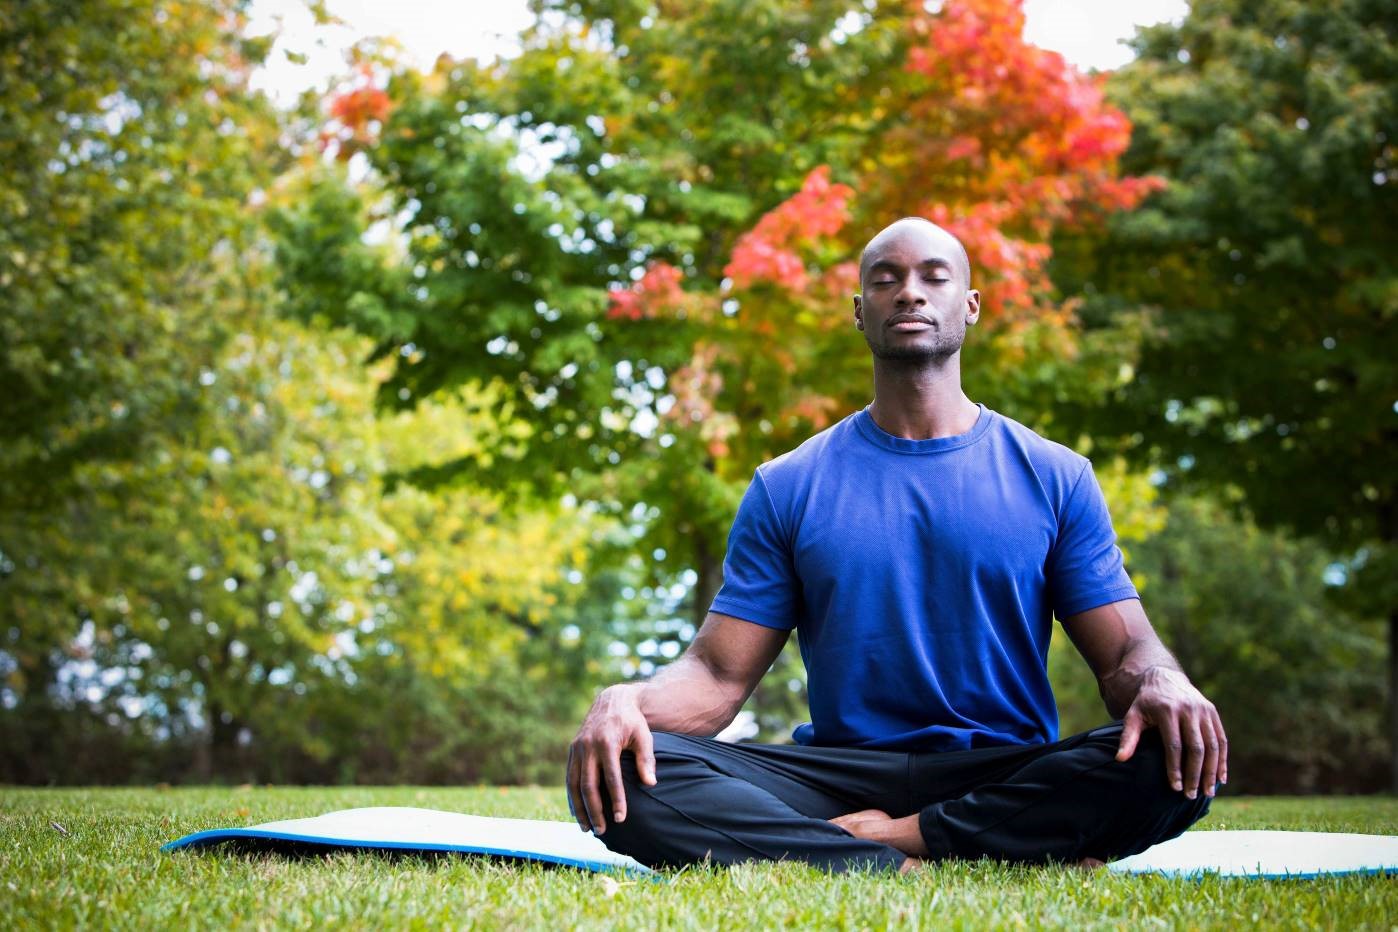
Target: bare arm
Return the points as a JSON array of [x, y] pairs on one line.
[[698, 694], [702, 691], [1141, 682]]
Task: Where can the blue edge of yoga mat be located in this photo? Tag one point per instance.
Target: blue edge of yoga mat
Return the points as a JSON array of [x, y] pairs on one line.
[[562, 843]]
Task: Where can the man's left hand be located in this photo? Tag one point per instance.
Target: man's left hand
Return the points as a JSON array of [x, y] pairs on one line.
[[1196, 748]]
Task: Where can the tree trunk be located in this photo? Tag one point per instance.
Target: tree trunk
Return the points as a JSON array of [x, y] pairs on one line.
[[223, 744], [709, 568]]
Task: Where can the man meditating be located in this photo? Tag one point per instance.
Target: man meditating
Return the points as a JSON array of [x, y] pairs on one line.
[[920, 548]]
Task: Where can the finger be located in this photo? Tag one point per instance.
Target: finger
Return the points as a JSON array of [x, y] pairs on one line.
[[592, 798], [1130, 734], [1222, 748], [645, 757], [1194, 754], [1208, 774], [611, 764], [1170, 738], [575, 800]]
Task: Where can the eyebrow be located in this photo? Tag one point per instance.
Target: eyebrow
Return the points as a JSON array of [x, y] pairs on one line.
[[890, 265]]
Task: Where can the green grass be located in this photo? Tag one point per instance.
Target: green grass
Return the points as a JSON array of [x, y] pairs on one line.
[[108, 871]]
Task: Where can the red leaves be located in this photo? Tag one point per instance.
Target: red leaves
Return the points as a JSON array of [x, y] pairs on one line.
[[1004, 141], [995, 139], [696, 385], [657, 291], [355, 108], [768, 252], [356, 115]]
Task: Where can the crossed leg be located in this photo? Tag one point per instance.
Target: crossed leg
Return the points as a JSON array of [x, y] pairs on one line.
[[1066, 801]]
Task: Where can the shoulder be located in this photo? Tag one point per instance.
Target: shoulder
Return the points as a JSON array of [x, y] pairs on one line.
[[1049, 459], [796, 465]]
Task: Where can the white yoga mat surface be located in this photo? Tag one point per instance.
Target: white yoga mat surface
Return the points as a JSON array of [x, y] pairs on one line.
[[1193, 854], [1265, 854], [403, 828]]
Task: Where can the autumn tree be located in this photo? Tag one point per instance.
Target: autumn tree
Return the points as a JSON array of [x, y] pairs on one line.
[[643, 228]]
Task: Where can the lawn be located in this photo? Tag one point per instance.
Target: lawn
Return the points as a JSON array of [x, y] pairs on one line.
[[104, 869]]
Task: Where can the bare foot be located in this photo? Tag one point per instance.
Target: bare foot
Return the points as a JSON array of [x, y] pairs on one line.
[[850, 821], [910, 864], [1090, 864]]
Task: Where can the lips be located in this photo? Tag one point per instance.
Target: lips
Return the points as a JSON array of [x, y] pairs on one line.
[[909, 322]]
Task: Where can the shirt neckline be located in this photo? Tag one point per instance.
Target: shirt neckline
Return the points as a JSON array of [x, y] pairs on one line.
[[880, 437]]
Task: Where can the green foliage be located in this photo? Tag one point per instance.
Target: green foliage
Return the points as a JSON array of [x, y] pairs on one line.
[[108, 865], [409, 544], [130, 150], [249, 595], [1266, 264], [205, 565], [1298, 682]]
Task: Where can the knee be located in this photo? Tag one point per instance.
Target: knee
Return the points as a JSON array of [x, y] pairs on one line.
[[640, 835], [1151, 778], [1161, 811]]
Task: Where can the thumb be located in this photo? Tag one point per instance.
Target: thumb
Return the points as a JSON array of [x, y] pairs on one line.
[[1132, 726]]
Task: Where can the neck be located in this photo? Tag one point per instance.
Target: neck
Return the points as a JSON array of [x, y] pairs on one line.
[[921, 402]]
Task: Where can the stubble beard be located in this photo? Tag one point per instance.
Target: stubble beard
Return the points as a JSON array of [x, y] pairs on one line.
[[943, 347]]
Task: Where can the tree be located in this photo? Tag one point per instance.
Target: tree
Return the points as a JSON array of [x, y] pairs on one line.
[[199, 555], [131, 147], [1266, 268], [249, 596], [651, 257]]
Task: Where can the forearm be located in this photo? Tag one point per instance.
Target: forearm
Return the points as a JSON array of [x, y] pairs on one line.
[[686, 697], [1141, 659]]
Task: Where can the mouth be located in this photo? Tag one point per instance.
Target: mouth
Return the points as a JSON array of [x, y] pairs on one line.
[[909, 322]]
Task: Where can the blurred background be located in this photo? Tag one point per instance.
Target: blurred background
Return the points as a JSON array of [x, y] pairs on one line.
[[378, 381]]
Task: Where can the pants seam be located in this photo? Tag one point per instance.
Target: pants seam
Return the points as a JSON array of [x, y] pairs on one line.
[[908, 784]]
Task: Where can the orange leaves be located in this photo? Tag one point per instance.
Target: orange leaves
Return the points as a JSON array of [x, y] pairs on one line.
[[695, 385], [355, 108], [356, 115], [1006, 141], [999, 141], [768, 252]]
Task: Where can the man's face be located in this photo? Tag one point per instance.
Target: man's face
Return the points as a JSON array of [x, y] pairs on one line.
[[916, 303]]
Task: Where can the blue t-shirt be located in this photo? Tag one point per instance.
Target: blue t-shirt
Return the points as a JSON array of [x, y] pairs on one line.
[[922, 577]]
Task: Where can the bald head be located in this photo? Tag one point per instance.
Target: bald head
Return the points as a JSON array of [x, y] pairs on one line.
[[938, 239]]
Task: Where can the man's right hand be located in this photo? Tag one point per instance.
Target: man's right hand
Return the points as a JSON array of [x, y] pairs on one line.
[[613, 724]]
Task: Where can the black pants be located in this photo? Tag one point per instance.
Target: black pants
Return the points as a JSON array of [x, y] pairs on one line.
[[1035, 804]]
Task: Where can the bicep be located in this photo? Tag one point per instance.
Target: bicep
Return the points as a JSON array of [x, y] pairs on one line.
[[736, 652], [1103, 635]]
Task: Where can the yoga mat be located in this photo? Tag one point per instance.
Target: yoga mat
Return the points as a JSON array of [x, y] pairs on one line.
[[1265, 855], [403, 828], [1193, 854]]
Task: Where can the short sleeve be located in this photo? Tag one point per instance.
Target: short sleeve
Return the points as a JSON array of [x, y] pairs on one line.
[[1085, 567], [759, 579]]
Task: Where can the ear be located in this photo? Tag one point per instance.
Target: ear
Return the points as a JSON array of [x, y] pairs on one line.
[[973, 306], [859, 312]]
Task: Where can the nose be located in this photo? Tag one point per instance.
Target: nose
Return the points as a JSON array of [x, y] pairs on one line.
[[911, 293]]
